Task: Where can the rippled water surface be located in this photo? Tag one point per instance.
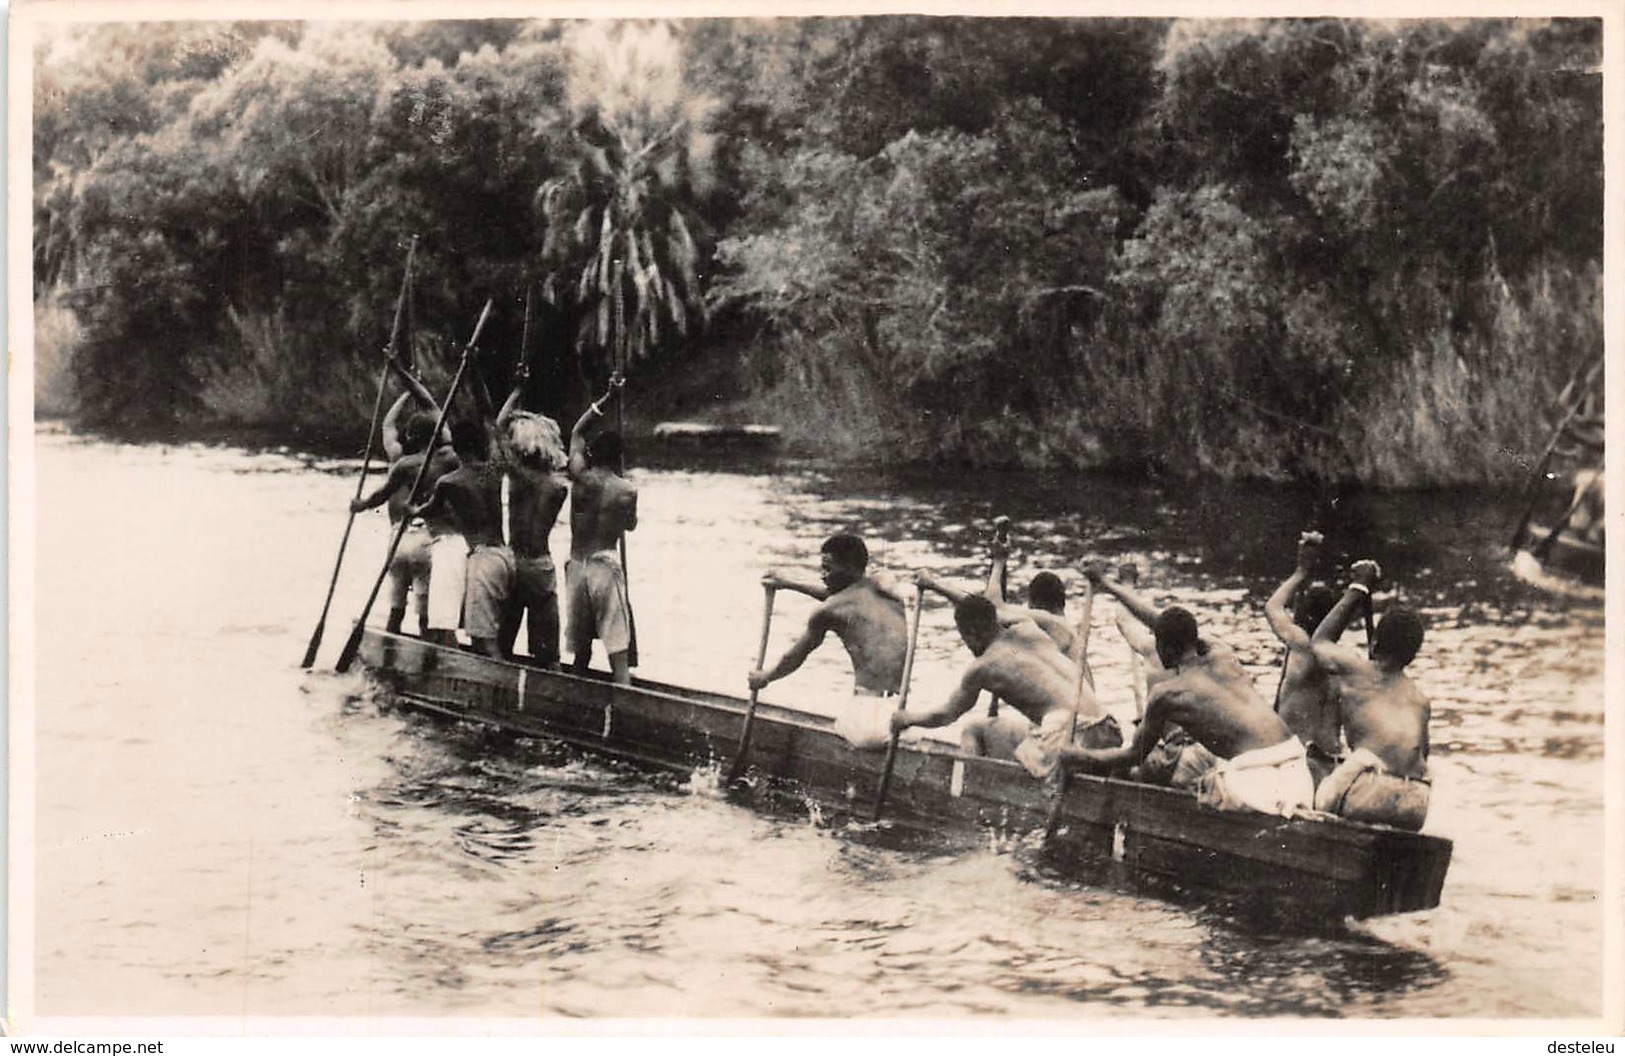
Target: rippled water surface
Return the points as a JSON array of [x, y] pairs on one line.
[[219, 833]]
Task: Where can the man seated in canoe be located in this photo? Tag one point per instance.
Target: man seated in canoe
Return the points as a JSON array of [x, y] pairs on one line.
[[1385, 717], [603, 507], [536, 490], [471, 498], [866, 617], [1260, 764], [1305, 699], [1021, 665], [407, 446]]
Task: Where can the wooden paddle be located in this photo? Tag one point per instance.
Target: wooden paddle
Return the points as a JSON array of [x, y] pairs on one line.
[[353, 644], [1085, 677], [902, 702], [366, 459], [1001, 565], [738, 766], [1533, 491]]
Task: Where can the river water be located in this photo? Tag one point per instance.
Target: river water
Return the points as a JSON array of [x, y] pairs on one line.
[[221, 834]]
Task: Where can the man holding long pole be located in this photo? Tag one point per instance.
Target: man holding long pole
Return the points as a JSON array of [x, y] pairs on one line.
[[603, 508]]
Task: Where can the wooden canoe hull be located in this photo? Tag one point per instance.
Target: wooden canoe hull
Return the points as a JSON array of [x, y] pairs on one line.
[[1316, 870]]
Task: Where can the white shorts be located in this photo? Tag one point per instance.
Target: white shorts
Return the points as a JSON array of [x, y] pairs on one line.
[[448, 559]]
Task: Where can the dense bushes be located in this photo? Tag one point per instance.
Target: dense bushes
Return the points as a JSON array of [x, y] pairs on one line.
[[1293, 248]]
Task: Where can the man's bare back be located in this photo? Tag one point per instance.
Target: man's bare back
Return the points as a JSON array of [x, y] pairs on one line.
[[603, 507], [1026, 670], [871, 627], [1214, 700]]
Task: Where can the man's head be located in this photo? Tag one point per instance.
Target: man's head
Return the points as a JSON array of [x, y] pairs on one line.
[[1177, 636], [1314, 602], [978, 622], [536, 440], [468, 440], [1047, 592], [419, 432], [843, 560], [1398, 637], [606, 450]]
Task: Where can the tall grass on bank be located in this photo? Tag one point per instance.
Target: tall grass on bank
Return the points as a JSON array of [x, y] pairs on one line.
[[56, 339]]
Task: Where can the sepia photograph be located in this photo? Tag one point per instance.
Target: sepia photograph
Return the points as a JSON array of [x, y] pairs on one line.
[[540, 518]]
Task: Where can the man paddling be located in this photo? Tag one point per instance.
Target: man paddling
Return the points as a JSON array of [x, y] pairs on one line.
[[1385, 716], [410, 569], [1021, 665], [866, 616], [1046, 598], [1305, 700], [603, 507], [1261, 765], [471, 497], [536, 490]]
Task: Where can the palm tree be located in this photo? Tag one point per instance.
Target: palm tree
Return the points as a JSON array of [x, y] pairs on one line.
[[618, 252]]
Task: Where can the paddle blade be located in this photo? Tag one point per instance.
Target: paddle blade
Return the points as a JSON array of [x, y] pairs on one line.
[[352, 646], [315, 644]]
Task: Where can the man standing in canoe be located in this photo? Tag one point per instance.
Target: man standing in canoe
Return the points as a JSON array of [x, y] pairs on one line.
[[536, 489], [866, 616], [1021, 665], [603, 507], [410, 569], [1305, 700], [470, 499], [1385, 717], [1261, 765]]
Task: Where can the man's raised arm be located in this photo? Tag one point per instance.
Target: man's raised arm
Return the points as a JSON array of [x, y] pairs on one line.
[[1137, 606], [583, 426], [1341, 658], [1275, 609], [390, 431], [936, 586]]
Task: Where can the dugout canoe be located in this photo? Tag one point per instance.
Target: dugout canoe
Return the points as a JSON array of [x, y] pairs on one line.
[[1158, 840]]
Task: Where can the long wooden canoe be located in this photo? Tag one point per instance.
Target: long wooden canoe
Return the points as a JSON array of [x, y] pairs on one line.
[[1309, 871]]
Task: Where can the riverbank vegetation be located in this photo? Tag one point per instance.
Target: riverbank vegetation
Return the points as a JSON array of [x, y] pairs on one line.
[[1312, 249]]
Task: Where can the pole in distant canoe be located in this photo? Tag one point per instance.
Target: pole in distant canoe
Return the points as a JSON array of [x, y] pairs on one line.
[[353, 644], [366, 459], [743, 750], [1532, 492], [902, 702], [1543, 549], [1063, 779]]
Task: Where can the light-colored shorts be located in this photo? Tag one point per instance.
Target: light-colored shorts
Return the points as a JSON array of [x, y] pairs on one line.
[[448, 557], [1041, 751], [1363, 789], [598, 607], [409, 571], [1273, 780], [534, 580], [1178, 760], [490, 583]]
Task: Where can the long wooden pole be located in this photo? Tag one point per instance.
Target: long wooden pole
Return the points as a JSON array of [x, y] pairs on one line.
[[1533, 490], [366, 459], [353, 644], [902, 702], [1085, 677], [743, 750], [621, 340]]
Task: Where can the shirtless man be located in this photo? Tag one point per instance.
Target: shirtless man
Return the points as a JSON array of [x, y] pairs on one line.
[[409, 570], [1305, 699], [1385, 717], [536, 489], [603, 507], [1260, 766], [470, 497], [866, 617], [1022, 666]]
